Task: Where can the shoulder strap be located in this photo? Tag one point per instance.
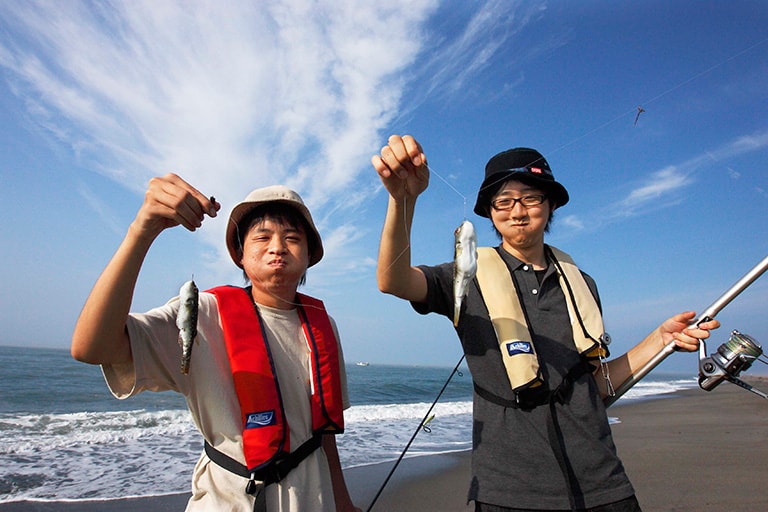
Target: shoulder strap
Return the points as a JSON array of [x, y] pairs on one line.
[[586, 320], [265, 432], [327, 406], [530, 398], [508, 318]]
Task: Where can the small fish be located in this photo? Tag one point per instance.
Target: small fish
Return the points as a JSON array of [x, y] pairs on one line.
[[186, 321], [465, 264]]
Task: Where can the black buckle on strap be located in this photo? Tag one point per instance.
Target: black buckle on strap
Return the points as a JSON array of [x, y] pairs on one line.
[[531, 398], [270, 474]]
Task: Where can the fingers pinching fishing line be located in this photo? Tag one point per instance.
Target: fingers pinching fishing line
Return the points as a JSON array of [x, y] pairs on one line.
[[405, 215]]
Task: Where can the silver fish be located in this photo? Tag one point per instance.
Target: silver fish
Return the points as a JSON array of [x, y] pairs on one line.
[[465, 264], [186, 321]]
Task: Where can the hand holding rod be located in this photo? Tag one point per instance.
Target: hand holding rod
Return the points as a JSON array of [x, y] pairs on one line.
[[707, 314]]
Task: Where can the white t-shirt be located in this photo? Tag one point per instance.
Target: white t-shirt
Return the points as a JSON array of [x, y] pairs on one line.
[[212, 401]]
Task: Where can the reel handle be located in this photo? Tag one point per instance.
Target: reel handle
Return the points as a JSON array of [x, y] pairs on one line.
[[742, 384]]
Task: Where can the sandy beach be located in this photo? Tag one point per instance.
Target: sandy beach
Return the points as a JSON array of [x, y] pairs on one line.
[[693, 451]]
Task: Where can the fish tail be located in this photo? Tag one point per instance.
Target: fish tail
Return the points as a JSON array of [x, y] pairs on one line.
[[186, 353]]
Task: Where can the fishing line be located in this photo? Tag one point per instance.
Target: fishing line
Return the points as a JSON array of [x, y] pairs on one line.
[[427, 417], [422, 425], [405, 215], [702, 73], [463, 197], [651, 100], [407, 236], [405, 249]]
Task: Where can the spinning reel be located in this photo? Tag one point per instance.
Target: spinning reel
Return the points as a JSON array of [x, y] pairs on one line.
[[731, 358]]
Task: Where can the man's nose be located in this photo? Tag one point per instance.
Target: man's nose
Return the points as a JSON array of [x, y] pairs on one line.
[[277, 245], [518, 210]]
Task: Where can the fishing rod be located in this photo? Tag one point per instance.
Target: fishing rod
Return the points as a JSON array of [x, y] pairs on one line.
[[423, 425], [706, 315]]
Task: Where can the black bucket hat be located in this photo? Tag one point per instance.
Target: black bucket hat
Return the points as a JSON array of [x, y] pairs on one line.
[[523, 164]]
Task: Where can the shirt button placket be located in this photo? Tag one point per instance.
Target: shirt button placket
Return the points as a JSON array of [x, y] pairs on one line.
[[530, 278]]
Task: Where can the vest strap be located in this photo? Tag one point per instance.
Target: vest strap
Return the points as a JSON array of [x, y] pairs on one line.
[[511, 326], [509, 321], [272, 473], [265, 427], [586, 319], [533, 397]]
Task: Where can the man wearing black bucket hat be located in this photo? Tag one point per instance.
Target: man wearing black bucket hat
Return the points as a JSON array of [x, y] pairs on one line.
[[532, 332], [265, 383]]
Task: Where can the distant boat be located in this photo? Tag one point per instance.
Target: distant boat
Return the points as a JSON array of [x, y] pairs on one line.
[[363, 363]]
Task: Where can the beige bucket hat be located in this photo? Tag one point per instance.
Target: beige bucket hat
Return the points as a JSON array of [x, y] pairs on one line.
[[272, 194]]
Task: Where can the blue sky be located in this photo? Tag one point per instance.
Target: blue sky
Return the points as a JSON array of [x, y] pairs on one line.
[[666, 214]]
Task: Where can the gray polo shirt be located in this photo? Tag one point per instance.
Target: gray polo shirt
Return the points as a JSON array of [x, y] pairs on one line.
[[513, 463]]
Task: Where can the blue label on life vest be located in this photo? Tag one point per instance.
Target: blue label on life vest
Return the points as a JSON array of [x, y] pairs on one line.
[[519, 347], [260, 419]]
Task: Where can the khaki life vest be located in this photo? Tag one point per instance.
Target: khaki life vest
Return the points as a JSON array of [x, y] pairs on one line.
[[265, 429], [509, 320]]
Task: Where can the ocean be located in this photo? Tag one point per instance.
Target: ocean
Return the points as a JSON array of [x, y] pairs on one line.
[[66, 438]]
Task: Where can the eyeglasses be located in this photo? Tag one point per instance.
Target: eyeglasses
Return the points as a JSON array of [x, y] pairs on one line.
[[507, 203]]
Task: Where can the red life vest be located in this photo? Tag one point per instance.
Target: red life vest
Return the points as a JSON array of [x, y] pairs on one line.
[[265, 429]]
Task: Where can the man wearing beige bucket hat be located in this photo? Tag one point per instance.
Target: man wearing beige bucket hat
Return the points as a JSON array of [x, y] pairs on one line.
[[265, 384]]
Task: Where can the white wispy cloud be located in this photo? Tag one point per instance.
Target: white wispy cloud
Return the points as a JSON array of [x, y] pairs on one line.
[[104, 212], [744, 144], [233, 95], [571, 223], [664, 183], [665, 187], [450, 67]]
